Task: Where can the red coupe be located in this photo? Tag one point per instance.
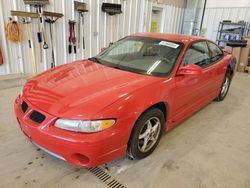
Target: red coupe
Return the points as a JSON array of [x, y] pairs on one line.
[[93, 111]]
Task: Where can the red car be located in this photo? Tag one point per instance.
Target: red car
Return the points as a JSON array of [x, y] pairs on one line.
[[93, 111]]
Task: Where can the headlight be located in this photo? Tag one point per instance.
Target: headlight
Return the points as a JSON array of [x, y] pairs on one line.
[[84, 126]]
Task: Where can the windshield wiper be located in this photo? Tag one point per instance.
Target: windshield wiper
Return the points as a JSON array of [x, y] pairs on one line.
[[95, 59]]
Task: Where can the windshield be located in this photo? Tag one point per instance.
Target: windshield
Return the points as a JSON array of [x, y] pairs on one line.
[[142, 55]]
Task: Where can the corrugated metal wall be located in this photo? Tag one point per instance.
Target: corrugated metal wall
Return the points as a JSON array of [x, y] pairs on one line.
[[214, 15], [136, 17]]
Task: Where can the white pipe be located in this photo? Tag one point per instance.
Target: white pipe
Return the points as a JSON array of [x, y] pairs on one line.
[[163, 17], [118, 24], [64, 32], [141, 21], [90, 29], [150, 16], [5, 47], [135, 17], [145, 17], [98, 27], [105, 28], [124, 18], [19, 50], [32, 43], [129, 19]]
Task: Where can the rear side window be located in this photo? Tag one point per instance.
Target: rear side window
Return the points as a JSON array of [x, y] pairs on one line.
[[197, 54], [216, 52]]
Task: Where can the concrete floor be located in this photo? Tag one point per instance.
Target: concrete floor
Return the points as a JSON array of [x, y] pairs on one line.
[[210, 149]]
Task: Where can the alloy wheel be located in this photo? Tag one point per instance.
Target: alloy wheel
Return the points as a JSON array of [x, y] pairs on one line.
[[149, 134], [225, 87]]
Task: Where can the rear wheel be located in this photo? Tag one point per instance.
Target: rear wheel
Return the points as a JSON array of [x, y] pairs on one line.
[[225, 87], [146, 134]]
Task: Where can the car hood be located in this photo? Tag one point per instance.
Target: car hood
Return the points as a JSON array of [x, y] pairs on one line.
[[81, 89]]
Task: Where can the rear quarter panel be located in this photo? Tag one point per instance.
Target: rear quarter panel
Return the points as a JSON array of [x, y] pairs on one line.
[[222, 66]]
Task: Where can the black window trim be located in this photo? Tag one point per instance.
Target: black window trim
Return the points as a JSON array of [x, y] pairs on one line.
[[206, 41], [201, 40], [210, 53]]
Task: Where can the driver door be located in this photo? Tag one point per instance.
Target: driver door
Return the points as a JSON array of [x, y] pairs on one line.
[[191, 89]]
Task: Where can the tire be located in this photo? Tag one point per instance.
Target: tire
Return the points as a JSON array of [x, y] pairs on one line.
[[150, 135], [224, 87]]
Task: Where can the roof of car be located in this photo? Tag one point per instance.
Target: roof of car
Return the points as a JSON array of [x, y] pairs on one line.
[[172, 37]]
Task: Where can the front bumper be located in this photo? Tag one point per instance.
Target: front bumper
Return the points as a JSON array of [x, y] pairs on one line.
[[81, 149]]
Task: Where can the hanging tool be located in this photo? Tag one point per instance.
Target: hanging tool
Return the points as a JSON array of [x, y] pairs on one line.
[[26, 17], [45, 45], [72, 36], [38, 4], [41, 33], [80, 8], [51, 18], [41, 30], [112, 9], [13, 31], [79, 30]]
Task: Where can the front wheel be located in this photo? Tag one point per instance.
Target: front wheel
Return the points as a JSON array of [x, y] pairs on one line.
[[225, 87], [146, 134]]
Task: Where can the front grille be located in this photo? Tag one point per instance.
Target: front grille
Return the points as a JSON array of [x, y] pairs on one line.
[[37, 117], [24, 106]]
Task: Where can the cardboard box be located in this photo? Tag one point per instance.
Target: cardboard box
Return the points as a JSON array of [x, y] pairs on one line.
[[243, 61], [247, 69], [248, 41], [228, 49], [235, 51]]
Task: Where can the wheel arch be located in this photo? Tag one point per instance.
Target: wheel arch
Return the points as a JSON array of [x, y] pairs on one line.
[[231, 66], [163, 106]]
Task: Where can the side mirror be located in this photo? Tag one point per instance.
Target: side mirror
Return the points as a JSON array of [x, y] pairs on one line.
[[190, 69], [103, 49]]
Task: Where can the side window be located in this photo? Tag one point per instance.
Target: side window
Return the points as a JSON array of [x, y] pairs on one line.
[[197, 54], [215, 51]]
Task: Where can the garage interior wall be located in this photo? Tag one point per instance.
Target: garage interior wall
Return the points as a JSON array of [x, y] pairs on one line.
[[217, 11], [192, 16], [135, 17]]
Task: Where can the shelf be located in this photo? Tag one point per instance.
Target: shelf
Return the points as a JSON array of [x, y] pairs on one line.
[[231, 23], [229, 28], [222, 40], [232, 32]]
